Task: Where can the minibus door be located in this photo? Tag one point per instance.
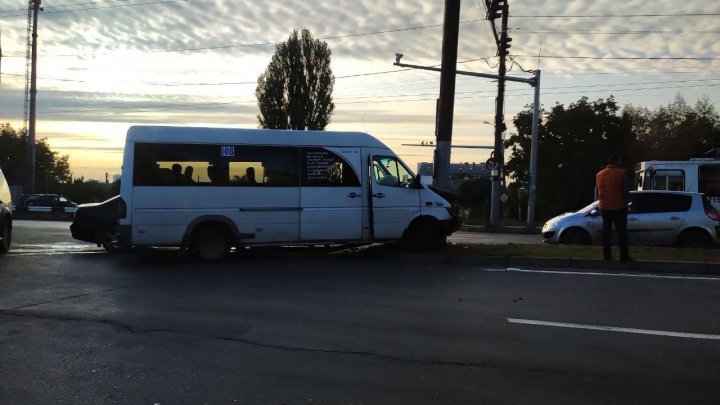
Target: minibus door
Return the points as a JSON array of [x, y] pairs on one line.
[[394, 200], [331, 197]]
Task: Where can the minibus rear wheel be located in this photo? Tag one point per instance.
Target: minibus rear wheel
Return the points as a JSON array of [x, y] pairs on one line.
[[424, 235], [210, 242]]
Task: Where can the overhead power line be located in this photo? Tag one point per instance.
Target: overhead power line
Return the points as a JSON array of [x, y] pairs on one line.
[[490, 94], [617, 57], [54, 6], [545, 88], [53, 11], [616, 15], [601, 32]]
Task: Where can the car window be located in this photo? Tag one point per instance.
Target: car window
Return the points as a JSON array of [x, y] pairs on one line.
[[646, 203], [589, 208]]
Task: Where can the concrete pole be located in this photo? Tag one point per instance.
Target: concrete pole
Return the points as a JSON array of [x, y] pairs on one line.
[[532, 193], [1, 56], [33, 99], [451, 27]]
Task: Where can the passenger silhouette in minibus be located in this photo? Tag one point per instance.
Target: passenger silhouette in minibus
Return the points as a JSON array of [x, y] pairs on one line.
[[218, 174], [188, 178], [249, 177], [177, 174]]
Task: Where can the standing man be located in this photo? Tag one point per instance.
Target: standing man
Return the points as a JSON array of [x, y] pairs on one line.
[[613, 192]]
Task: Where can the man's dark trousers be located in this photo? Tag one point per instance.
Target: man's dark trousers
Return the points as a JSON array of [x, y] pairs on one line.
[[619, 218]]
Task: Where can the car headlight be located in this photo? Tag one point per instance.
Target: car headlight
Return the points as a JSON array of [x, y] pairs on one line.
[[549, 225]]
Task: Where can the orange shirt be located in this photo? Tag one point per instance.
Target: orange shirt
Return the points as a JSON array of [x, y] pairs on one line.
[[611, 188]]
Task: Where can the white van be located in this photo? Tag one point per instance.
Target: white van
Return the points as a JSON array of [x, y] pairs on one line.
[[697, 175], [209, 189]]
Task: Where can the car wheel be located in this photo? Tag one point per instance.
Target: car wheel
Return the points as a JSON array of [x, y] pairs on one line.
[[575, 236], [210, 242], [6, 237], [694, 238], [424, 235]]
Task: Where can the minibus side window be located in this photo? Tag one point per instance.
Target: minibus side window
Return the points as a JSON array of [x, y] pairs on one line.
[[180, 165], [258, 166], [671, 180], [709, 180], [324, 168]]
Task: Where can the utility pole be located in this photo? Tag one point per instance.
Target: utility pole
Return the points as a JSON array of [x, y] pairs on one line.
[[496, 9], [499, 8], [446, 107], [1, 56], [532, 192], [33, 97]]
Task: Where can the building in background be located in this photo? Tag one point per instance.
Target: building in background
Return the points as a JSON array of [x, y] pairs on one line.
[[459, 172]]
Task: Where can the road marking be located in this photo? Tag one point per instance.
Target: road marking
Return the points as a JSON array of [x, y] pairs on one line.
[[615, 329], [591, 273], [61, 248]]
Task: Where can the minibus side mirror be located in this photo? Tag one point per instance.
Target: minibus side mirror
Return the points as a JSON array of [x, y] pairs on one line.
[[416, 183]]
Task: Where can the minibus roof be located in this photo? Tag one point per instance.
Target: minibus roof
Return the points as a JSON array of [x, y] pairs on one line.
[[168, 134]]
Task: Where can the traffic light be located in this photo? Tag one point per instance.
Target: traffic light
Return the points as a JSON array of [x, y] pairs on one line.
[[494, 8], [504, 45]]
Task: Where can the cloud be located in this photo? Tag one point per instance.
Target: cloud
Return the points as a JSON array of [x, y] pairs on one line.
[[125, 65]]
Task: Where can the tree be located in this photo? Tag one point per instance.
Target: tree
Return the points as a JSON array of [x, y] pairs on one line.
[[51, 170], [676, 131], [295, 91], [474, 195], [574, 143]]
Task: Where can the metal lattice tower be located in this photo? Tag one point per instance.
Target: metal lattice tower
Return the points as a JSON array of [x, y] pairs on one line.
[[28, 63]]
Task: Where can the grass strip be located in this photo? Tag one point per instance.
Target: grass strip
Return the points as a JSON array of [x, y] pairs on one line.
[[663, 254]]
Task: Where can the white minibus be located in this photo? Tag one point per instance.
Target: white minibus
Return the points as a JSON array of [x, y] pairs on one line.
[[211, 189], [697, 175]]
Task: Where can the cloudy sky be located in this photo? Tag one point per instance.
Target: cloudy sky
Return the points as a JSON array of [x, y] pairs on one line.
[[107, 64]]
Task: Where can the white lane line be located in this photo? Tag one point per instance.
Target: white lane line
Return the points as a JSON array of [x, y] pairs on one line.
[[86, 252], [58, 245], [29, 249], [590, 273], [615, 329]]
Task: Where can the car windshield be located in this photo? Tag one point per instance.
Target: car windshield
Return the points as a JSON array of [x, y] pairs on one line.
[[588, 208]]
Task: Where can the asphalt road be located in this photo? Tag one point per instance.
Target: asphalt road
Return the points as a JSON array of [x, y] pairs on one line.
[[33, 232], [78, 325]]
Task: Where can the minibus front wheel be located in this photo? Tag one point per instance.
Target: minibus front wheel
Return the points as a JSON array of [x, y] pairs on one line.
[[424, 234], [211, 241]]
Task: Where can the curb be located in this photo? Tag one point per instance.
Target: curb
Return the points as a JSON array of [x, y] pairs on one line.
[[501, 229], [643, 266]]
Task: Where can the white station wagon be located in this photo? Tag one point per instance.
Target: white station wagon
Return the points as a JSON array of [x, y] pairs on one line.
[[657, 218]]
